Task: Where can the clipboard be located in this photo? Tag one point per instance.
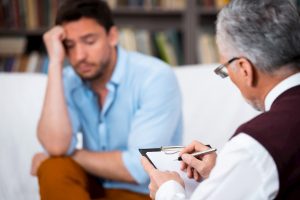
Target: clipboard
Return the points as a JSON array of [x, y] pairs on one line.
[[144, 153], [169, 162]]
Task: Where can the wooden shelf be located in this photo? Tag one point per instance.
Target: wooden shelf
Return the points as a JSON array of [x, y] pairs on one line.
[[22, 32], [137, 11], [150, 19], [210, 11]]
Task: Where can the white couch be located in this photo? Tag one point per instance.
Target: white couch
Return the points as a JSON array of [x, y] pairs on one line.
[[213, 108]]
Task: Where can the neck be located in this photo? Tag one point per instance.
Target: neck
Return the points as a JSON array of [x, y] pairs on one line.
[[268, 81]]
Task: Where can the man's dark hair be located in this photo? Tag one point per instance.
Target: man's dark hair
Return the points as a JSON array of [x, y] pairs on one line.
[[72, 10]]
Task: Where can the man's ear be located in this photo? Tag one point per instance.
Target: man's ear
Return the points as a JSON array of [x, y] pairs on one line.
[[113, 36], [247, 71]]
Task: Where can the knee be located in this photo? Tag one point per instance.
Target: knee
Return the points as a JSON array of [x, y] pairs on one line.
[[57, 169]]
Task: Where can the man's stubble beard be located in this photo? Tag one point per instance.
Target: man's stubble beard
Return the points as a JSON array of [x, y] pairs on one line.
[[99, 74]]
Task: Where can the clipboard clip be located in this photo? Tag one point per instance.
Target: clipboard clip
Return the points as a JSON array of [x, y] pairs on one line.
[[171, 149], [174, 149]]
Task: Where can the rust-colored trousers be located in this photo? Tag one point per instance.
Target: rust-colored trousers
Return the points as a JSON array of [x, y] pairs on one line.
[[61, 178]]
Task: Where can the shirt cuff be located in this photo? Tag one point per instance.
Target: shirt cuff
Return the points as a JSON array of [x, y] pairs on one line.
[[72, 146], [170, 190]]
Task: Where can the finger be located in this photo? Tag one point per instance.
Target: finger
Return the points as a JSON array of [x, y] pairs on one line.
[[33, 170], [152, 188], [37, 160], [188, 149], [191, 161], [194, 146], [147, 165], [152, 195], [209, 161], [210, 158], [189, 172], [34, 165], [202, 167], [196, 175], [183, 166]]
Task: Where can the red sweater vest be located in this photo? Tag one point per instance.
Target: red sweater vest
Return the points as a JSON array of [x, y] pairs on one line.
[[278, 130]]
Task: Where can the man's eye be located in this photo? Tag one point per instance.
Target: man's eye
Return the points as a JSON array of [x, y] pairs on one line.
[[90, 42], [68, 45]]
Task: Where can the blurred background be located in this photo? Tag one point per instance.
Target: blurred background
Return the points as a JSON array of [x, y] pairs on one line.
[[180, 32]]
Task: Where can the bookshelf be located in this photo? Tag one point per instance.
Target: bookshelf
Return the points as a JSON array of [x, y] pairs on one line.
[[181, 20]]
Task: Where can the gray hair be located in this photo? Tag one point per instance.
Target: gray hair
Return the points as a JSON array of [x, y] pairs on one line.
[[267, 32]]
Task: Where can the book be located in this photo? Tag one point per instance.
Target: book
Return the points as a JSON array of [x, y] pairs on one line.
[[32, 16], [16, 65], [127, 39], [175, 42], [2, 19], [165, 49], [23, 63], [143, 41], [33, 62], [206, 47], [44, 65], [12, 45], [1, 64], [22, 13], [8, 64], [221, 3]]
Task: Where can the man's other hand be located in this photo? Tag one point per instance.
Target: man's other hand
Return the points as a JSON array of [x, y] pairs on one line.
[[53, 40], [157, 178], [37, 160]]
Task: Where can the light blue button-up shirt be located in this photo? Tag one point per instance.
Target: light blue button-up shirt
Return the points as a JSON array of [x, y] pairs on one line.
[[142, 110]]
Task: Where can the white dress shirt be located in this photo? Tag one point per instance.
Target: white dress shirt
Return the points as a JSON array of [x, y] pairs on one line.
[[244, 168]]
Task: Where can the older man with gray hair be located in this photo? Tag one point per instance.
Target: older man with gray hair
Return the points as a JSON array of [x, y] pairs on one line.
[[259, 42]]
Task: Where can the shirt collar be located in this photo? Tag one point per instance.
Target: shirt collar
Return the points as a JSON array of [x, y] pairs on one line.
[[120, 66], [281, 87]]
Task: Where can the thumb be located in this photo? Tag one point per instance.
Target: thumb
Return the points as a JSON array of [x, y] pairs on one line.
[[147, 165], [191, 161]]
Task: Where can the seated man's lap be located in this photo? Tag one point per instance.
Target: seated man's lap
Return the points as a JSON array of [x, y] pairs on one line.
[[64, 174]]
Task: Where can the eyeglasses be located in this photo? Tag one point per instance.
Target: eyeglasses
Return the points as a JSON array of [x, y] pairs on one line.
[[221, 70]]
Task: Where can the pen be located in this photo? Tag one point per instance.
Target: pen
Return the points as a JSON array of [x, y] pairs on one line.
[[200, 153]]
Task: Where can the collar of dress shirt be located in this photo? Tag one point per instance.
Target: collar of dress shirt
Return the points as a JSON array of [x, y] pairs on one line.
[[281, 87], [120, 66]]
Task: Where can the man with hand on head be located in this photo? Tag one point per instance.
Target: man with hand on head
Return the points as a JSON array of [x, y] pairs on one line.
[[118, 100], [258, 41]]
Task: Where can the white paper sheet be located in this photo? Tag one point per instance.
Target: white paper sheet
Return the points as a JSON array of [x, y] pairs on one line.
[[168, 162]]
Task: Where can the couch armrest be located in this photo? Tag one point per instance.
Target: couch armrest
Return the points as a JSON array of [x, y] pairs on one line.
[[20, 105]]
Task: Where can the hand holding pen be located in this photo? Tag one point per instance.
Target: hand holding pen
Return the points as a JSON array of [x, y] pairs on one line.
[[194, 167], [199, 153]]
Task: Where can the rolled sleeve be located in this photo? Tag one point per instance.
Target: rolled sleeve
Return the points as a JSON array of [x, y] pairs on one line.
[[131, 160]]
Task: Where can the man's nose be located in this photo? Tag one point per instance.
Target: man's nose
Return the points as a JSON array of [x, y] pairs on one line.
[[80, 53]]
